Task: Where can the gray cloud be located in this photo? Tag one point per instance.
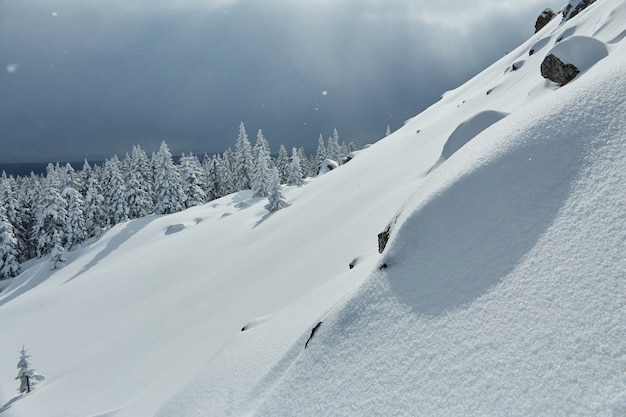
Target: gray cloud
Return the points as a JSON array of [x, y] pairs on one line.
[[94, 79]]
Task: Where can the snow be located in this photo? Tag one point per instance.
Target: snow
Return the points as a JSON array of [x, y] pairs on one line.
[[500, 291]]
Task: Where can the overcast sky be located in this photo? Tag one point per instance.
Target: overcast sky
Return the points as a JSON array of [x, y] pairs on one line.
[[92, 78]]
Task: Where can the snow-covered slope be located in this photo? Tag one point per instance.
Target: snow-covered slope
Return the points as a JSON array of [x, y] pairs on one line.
[[500, 292]]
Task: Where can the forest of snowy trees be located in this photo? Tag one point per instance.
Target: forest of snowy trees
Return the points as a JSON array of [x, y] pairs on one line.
[[51, 213]]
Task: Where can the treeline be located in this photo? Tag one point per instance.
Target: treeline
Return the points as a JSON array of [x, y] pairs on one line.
[[51, 213]]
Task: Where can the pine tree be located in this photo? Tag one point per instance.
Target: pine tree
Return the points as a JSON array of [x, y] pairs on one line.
[[167, 183], [75, 231], [51, 216], [57, 254], [140, 190], [27, 375], [276, 199], [320, 155], [242, 170], [194, 181], [9, 265], [295, 170], [114, 191], [282, 163], [95, 216], [262, 167]]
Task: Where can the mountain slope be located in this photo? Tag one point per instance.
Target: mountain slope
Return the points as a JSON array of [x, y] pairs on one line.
[[501, 295], [502, 291]]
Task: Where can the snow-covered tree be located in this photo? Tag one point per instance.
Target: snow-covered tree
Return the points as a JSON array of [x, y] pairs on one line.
[[282, 163], [51, 216], [139, 181], [388, 132], [194, 181], [262, 167], [295, 170], [16, 215], [242, 169], [320, 155], [27, 375], [75, 231], [333, 150], [95, 215], [167, 183], [57, 254], [9, 265], [276, 199], [114, 191]]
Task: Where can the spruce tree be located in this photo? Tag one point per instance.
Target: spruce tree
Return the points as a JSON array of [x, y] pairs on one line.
[[262, 167], [242, 169], [75, 231], [9, 265], [194, 181], [276, 199], [57, 254], [282, 163], [51, 215], [167, 183], [295, 170], [114, 190], [27, 375]]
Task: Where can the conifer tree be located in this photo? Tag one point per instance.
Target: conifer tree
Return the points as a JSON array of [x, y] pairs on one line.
[[9, 265], [194, 181], [114, 191], [295, 170], [51, 216], [57, 254], [95, 215], [75, 231], [388, 132], [167, 183], [320, 155], [282, 163], [16, 215], [27, 375], [140, 190], [242, 170], [276, 199], [212, 181], [262, 167]]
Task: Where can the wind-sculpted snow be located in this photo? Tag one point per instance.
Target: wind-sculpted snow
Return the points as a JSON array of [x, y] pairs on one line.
[[503, 292], [469, 129]]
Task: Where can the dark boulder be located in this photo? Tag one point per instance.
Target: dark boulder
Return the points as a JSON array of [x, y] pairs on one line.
[[570, 10], [544, 18], [557, 71]]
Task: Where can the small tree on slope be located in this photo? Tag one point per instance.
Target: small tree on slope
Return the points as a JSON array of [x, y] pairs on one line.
[[276, 199], [27, 375]]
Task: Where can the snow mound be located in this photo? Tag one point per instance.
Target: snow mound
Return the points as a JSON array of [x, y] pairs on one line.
[[503, 292], [467, 130], [582, 51], [175, 228]]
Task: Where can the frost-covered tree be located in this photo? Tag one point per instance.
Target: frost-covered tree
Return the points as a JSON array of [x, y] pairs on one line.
[[333, 150], [295, 170], [51, 215], [242, 169], [75, 231], [95, 215], [57, 254], [209, 165], [194, 181], [139, 181], [9, 265], [114, 191], [282, 163], [16, 215], [170, 197], [228, 183], [262, 167], [276, 199], [320, 155], [27, 375]]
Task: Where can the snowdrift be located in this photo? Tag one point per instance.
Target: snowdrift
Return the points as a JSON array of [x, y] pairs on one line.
[[500, 291]]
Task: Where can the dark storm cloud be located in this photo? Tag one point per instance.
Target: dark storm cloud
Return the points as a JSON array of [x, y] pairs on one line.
[[91, 80]]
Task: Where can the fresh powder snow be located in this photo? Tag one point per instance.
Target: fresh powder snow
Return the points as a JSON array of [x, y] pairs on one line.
[[500, 292]]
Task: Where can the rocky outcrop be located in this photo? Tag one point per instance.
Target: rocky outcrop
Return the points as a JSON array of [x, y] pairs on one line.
[[544, 18], [557, 71], [574, 7]]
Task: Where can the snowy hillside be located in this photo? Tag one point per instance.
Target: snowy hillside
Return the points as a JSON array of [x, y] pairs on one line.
[[500, 292]]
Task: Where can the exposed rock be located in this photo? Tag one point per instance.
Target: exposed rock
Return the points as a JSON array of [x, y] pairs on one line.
[[544, 18], [574, 7], [383, 238], [556, 70], [327, 166], [317, 326]]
